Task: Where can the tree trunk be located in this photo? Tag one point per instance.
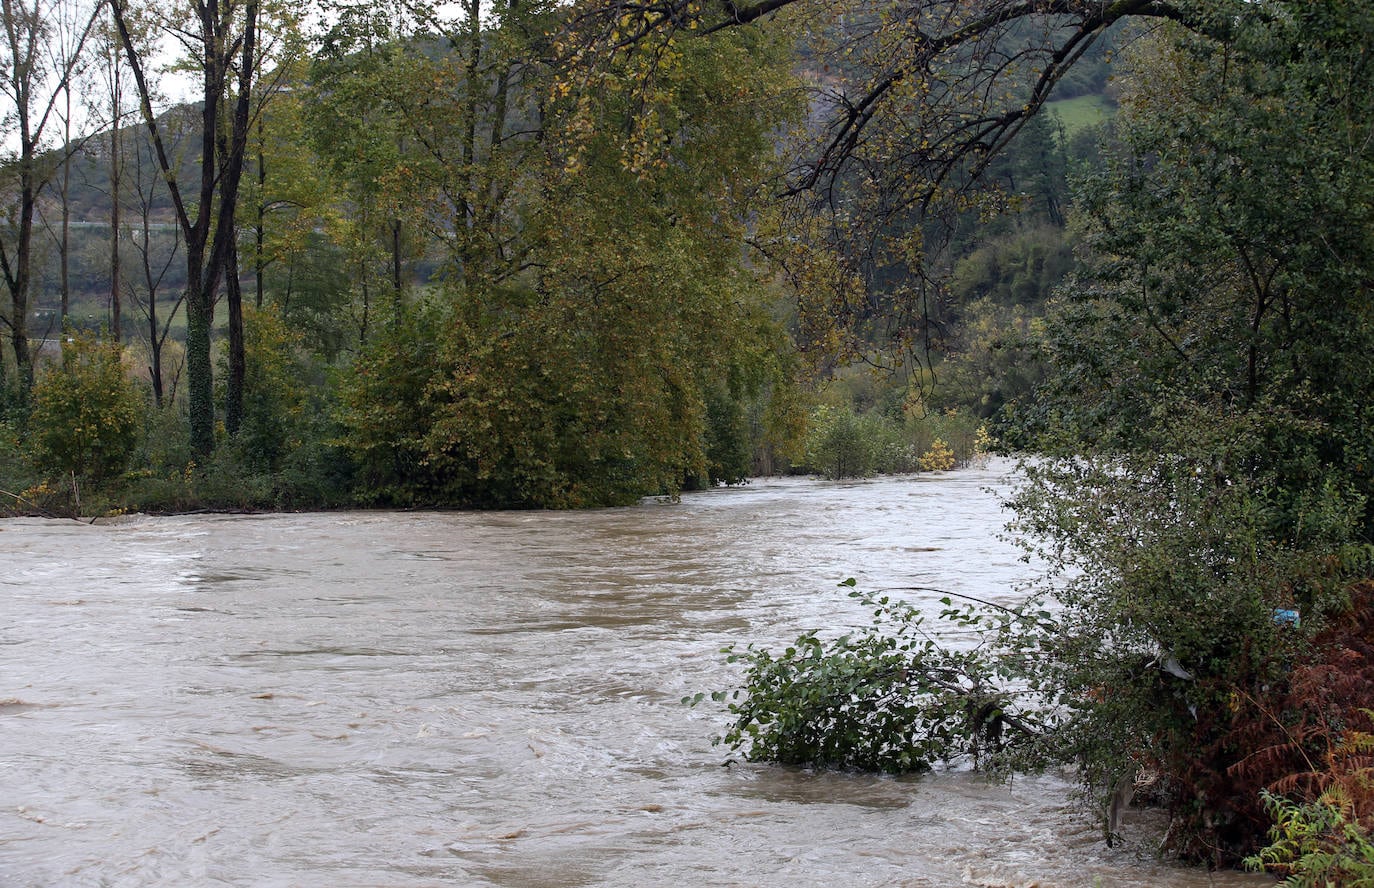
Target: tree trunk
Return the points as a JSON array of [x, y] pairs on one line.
[[201, 271], [207, 259], [200, 314], [64, 238], [19, 280], [396, 288], [115, 175], [259, 263], [224, 258], [233, 403], [154, 342], [367, 308]]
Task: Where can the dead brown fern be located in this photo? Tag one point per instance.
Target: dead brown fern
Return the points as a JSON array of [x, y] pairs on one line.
[[1312, 737], [1300, 729]]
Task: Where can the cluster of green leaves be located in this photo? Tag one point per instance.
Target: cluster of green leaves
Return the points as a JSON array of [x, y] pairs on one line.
[[1166, 585], [283, 455], [614, 358], [1206, 433], [86, 415], [488, 276], [1317, 844], [888, 698], [93, 441], [842, 443]]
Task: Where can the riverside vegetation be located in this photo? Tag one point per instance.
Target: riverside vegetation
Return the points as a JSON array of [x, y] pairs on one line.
[[573, 254]]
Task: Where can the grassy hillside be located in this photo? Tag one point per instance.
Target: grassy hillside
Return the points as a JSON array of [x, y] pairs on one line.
[[1081, 112]]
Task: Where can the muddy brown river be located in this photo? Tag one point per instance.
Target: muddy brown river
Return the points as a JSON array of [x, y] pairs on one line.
[[441, 699]]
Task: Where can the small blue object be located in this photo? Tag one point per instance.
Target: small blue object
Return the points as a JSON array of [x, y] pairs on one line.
[[1286, 617]]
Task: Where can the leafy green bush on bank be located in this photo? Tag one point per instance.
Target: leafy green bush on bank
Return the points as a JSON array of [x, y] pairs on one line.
[[841, 443]]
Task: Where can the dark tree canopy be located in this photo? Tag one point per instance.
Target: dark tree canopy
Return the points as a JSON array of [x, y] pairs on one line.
[[933, 89], [911, 107]]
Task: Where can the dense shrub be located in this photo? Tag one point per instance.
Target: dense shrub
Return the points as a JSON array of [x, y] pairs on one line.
[[87, 414], [885, 698], [843, 444], [16, 472], [282, 455], [840, 445], [728, 454]]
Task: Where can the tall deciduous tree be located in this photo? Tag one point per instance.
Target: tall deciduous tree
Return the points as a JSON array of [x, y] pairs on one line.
[[38, 60], [156, 251], [222, 40], [597, 282], [361, 86], [277, 50]]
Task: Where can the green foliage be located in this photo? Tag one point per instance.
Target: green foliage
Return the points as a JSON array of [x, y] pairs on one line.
[[13, 398], [311, 290], [165, 477], [1021, 267], [840, 444], [582, 339], [17, 474], [386, 413], [537, 411], [86, 415], [728, 456], [778, 419], [995, 365], [1205, 464], [886, 698], [1206, 424], [282, 455], [1317, 845], [366, 122], [843, 443], [1167, 579]]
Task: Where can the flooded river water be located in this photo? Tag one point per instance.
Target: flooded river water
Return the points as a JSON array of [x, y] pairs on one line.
[[425, 699]]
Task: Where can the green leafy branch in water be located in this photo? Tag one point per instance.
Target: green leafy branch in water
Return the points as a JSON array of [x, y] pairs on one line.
[[890, 697]]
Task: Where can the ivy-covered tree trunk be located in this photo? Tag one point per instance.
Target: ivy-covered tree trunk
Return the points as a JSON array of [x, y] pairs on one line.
[[234, 385], [200, 315], [228, 43], [17, 277]]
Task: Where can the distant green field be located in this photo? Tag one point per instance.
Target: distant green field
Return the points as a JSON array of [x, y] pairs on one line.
[[1082, 111]]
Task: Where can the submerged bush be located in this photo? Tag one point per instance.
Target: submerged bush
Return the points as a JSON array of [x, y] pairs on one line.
[[886, 698], [1160, 645]]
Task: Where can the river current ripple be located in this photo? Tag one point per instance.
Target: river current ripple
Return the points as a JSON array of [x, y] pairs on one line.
[[438, 699]]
